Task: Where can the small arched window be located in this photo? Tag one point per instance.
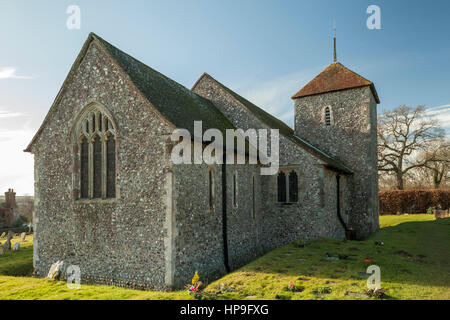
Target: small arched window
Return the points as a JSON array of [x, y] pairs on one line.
[[281, 186], [327, 116], [211, 189], [235, 190], [253, 198], [293, 187], [96, 137]]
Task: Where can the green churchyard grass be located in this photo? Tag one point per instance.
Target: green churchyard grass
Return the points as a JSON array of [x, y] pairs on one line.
[[412, 252]]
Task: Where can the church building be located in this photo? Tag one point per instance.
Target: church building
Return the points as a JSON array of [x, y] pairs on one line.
[[109, 199]]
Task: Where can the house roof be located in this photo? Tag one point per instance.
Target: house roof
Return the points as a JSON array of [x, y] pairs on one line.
[[179, 105], [333, 78], [283, 128]]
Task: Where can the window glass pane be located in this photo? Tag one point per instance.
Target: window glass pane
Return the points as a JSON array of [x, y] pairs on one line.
[[253, 198], [93, 122], [293, 187], [111, 168], [234, 190], [100, 122], [327, 116], [210, 192], [281, 187], [97, 167], [84, 169]]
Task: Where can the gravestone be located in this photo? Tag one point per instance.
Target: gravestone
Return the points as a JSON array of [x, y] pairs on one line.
[[23, 235], [2, 250], [16, 246], [7, 245], [55, 270], [440, 214]]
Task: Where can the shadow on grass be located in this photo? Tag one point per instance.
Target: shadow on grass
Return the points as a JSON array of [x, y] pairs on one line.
[[414, 253], [17, 263]]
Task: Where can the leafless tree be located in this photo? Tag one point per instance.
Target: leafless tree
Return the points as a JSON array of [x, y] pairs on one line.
[[438, 167], [403, 133], [25, 208]]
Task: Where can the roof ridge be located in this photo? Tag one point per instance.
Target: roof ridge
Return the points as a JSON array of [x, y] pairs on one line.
[[175, 103], [291, 135], [234, 94], [202, 106]]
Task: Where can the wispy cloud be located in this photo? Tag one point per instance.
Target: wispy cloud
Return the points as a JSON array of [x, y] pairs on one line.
[[8, 114], [442, 114], [10, 73], [274, 96], [16, 167]]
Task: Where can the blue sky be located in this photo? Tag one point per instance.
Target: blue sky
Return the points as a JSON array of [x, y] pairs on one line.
[[264, 50]]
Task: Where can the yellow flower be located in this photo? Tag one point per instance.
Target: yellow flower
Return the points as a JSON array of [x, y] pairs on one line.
[[195, 278]]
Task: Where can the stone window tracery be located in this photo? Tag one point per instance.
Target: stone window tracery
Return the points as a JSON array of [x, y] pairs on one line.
[[96, 139]]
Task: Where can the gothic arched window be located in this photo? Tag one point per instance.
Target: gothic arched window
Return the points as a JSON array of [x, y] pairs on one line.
[[327, 116], [96, 137]]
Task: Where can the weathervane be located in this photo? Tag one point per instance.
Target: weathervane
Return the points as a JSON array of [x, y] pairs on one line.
[[334, 41]]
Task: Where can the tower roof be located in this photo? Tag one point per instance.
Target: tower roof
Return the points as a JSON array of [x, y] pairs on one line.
[[333, 78]]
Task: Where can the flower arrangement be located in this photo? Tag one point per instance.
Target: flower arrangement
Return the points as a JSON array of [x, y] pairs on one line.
[[293, 288], [196, 284], [377, 293]]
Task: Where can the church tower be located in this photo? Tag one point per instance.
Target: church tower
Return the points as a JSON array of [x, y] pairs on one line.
[[337, 113]]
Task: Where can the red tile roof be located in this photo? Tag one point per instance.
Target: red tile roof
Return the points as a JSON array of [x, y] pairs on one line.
[[335, 77]]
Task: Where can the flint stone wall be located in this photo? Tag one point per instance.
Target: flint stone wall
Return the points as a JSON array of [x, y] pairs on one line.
[[351, 139], [199, 237], [118, 241], [160, 229], [283, 223]]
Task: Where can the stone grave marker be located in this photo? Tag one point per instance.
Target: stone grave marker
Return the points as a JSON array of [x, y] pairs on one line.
[[7, 245]]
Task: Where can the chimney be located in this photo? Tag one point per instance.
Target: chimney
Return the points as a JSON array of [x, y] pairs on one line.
[[10, 199]]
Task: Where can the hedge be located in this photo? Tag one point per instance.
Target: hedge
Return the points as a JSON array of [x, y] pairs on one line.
[[413, 201]]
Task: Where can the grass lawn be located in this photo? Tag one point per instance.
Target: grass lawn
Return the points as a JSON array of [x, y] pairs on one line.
[[414, 262]]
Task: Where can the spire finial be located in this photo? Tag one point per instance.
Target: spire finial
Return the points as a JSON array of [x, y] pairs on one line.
[[334, 41]]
